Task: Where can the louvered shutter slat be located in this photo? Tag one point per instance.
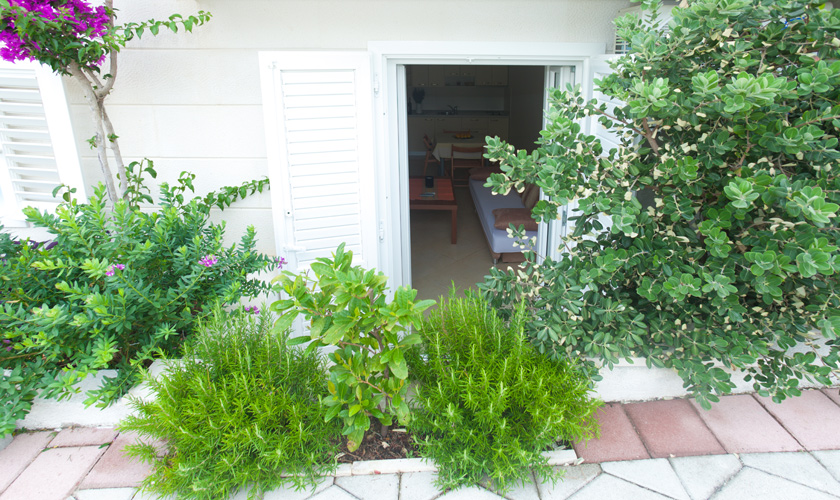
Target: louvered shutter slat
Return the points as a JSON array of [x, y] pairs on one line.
[[33, 119]]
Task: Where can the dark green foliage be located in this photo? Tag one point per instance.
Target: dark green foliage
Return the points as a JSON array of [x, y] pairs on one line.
[[489, 403], [728, 122], [117, 287], [241, 410]]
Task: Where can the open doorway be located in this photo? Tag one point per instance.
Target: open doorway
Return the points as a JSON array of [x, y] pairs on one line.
[[452, 241]]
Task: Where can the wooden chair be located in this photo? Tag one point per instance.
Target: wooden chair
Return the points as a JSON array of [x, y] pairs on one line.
[[457, 161], [429, 156]]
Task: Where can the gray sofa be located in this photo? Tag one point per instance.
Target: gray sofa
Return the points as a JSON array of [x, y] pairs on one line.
[[501, 245]]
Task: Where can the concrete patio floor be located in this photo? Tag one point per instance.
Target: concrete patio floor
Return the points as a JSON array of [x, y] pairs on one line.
[[744, 447]]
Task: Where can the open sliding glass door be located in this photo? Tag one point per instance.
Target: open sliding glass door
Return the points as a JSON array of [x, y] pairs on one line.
[[549, 234]]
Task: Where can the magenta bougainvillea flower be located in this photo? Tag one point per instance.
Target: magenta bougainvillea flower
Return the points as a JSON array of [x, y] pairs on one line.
[[67, 20]]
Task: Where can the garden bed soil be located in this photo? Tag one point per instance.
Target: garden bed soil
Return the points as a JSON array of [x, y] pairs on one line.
[[397, 444]]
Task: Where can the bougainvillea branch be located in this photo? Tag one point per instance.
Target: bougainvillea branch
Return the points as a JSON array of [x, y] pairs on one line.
[[75, 39]]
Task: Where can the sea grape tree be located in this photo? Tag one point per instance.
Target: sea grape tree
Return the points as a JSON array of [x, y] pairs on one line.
[[723, 198], [76, 38]]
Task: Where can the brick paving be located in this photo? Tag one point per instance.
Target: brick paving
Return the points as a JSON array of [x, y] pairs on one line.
[[744, 440]]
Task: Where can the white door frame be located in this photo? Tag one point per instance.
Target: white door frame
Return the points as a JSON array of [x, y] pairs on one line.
[[390, 110]]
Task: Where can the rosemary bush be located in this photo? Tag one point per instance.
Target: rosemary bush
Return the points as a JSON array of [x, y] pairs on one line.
[[242, 409], [489, 403]]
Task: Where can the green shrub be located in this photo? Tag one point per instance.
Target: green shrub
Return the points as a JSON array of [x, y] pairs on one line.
[[241, 409], [489, 403], [723, 195], [347, 308], [118, 286]]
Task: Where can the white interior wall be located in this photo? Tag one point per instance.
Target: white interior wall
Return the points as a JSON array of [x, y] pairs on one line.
[[192, 101]]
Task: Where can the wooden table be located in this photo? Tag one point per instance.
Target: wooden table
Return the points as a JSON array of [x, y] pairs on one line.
[[443, 199]]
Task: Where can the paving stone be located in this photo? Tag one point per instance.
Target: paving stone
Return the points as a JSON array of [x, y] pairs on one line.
[[418, 486], [106, 494], [654, 474], [19, 453], [830, 460], [372, 487], [116, 469], [618, 440], [54, 474], [574, 478], [394, 466], [343, 470], [753, 483], [333, 493], [798, 467], [672, 428], [702, 476], [469, 493], [6, 441], [742, 425], [833, 393], [560, 457], [607, 486], [289, 492], [811, 418], [84, 436], [518, 491]]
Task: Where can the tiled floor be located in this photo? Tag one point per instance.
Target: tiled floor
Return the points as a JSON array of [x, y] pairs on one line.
[[743, 448], [435, 262]]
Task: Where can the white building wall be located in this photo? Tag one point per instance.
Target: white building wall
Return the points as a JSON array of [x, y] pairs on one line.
[[193, 101]]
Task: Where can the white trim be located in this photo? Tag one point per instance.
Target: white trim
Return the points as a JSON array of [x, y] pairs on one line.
[[391, 167]]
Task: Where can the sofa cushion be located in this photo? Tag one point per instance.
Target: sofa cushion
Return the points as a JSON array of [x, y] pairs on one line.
[[530, 195], [482, 173], [516, 216]]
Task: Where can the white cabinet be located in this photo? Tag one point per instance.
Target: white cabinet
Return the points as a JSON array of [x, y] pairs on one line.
[[476, 125], [446, 127], [417, 127], [418, 76], [491, 76], [497, 126]]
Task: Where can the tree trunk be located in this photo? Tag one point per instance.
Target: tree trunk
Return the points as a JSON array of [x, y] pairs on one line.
[[97, 110]]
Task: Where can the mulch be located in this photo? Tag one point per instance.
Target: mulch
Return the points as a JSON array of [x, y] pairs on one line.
[[397, 444]]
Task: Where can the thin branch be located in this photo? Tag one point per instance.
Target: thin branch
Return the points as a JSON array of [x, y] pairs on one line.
[[96, 110], [113, 144], [112, 68]]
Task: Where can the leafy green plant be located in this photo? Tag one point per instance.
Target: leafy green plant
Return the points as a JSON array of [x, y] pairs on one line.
[[239, 411], [346, 306], [722, 195], [488, 403], [116, 288]]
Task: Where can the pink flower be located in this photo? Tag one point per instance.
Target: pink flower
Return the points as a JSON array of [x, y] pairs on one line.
[[110, 271], [253, 309], [280, 262], [208, 260]]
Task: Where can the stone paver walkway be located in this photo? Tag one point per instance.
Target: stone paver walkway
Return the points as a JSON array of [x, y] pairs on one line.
[[744, 447]]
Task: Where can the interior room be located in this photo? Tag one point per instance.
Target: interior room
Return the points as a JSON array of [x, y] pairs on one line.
[[452, 241]]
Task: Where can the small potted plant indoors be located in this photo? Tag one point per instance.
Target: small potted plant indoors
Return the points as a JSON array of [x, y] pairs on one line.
[[418, 94]]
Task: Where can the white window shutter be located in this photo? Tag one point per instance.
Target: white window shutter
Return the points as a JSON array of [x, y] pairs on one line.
[[37, 146], [318, 114]]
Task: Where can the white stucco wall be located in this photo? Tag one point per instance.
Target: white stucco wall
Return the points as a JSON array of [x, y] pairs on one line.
[[192, 101]]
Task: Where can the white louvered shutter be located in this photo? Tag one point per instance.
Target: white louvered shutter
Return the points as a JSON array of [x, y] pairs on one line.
[[318, 113], [37, 148]]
